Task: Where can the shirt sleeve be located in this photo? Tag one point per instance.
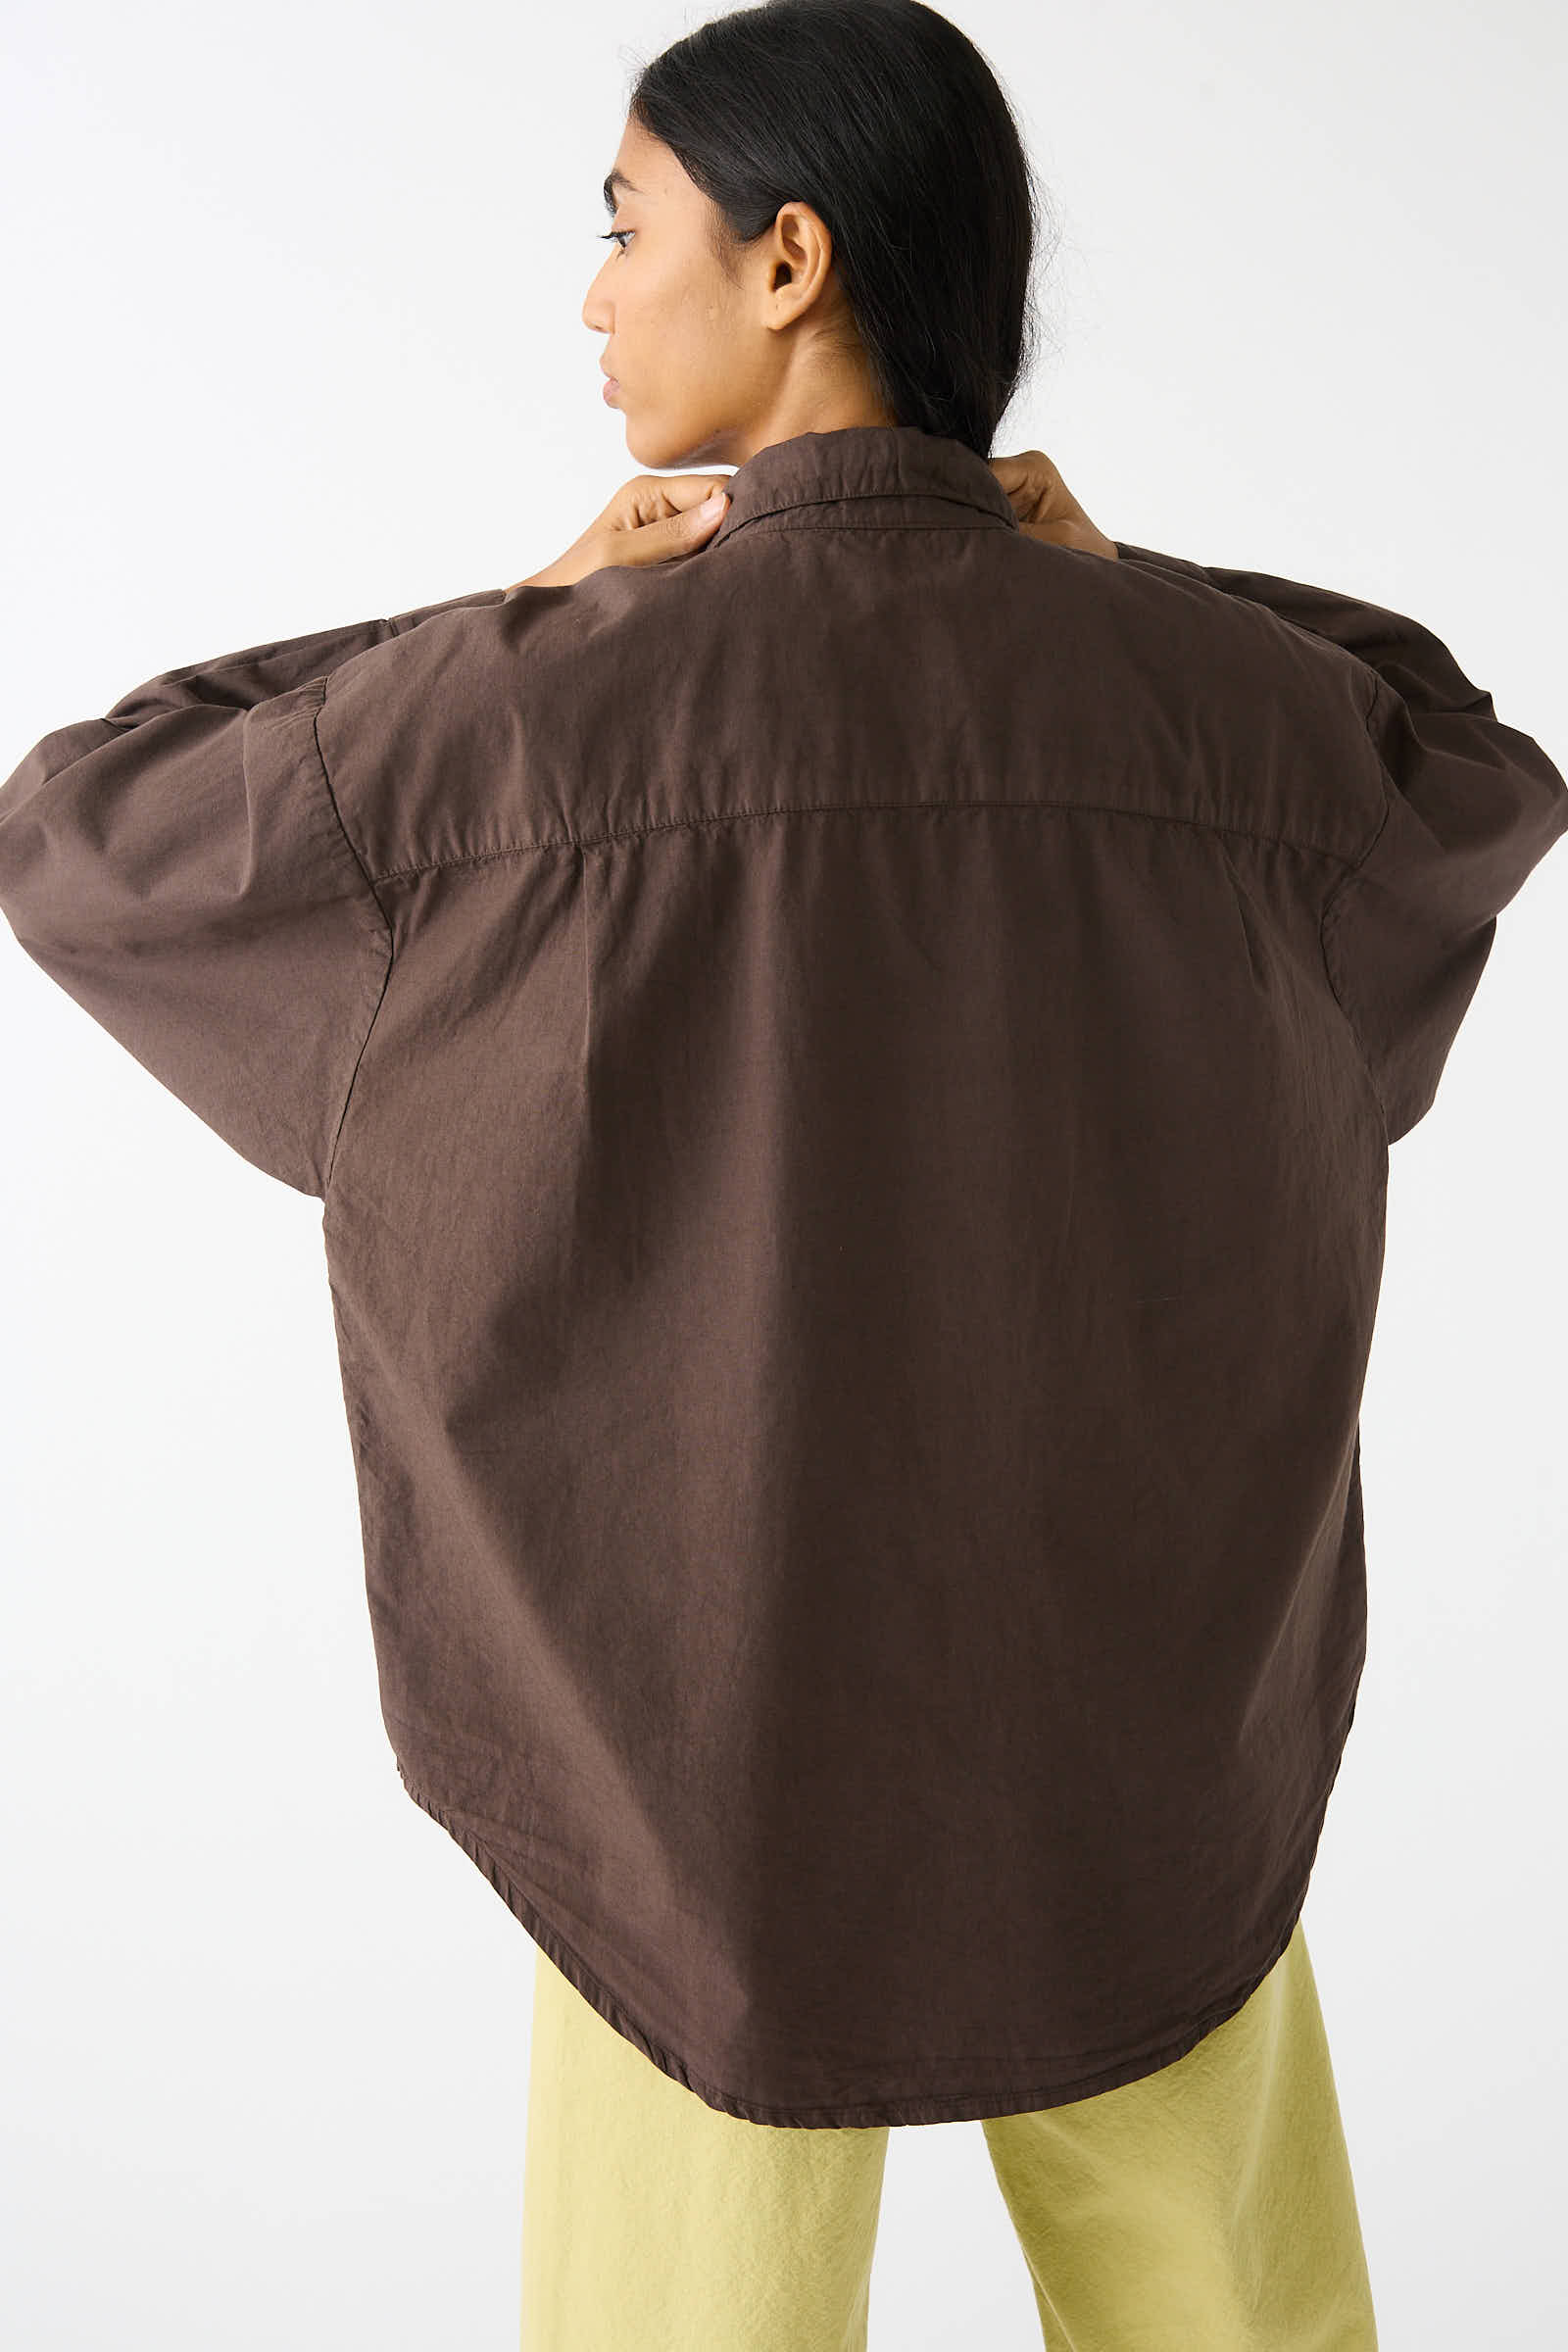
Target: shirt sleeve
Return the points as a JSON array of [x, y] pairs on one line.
[[1471, 807], [179, 867]]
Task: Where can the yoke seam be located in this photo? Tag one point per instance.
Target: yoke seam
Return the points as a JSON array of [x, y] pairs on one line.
[[581, 842]]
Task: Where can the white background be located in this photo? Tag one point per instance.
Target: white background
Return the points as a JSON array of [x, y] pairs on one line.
[[293, 308]]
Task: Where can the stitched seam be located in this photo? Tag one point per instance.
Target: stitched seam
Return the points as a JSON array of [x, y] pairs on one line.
[[455, 1817], [769, 515], [677, 824], [1335, 898], [391, 943], [842, 498]]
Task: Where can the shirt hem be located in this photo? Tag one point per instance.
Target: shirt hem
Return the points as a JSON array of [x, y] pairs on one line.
[[916, 2107]]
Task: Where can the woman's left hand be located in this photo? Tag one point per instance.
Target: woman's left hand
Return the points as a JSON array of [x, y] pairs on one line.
[[651, 518], [1045, 505]]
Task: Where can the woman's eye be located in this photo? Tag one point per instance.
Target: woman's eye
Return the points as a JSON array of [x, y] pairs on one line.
[[618, 234]]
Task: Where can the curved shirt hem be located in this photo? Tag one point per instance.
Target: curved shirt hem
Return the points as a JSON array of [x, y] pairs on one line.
[[915, 2107]]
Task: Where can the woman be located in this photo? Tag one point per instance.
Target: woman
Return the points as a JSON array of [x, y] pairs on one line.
[[822, 219], [850, 1074]]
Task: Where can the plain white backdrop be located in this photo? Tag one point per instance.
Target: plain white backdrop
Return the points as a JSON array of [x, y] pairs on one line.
[[293, 311]]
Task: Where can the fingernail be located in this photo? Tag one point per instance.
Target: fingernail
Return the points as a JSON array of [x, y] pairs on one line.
[[713, 503]]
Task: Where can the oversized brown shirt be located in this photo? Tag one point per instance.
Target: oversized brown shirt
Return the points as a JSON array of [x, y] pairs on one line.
[[850, 1078]]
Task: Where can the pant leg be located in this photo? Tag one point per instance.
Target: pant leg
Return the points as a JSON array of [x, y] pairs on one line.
[[1209, 2204], [655, 2222]]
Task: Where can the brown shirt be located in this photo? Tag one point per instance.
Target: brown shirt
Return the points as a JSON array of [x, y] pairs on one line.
[[850, 1078]]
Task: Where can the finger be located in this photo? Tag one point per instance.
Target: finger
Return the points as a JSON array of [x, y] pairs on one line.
[[1025, 465], [688, 490], [1031, 483], [673, 534], [657, 497]]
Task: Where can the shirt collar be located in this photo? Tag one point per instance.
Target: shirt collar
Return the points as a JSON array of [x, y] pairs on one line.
[[814, 477]]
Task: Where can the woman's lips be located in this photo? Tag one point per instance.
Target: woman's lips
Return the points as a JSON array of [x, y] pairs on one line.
[[609, 388]]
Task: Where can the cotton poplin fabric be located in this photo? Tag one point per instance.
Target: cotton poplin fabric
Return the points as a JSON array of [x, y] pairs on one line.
[[850, 1078], [1208, 2207]]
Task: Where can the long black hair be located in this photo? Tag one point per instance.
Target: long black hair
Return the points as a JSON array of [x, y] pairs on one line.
[[887, 120]]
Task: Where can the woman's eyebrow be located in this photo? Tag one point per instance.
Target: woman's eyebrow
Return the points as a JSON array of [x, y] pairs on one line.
[[613, 182]]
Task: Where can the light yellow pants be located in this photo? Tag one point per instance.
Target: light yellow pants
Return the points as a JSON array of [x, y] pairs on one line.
[[1207, 2208]]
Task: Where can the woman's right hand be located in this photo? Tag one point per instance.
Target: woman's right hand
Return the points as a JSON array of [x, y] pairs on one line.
[[651, 519]]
